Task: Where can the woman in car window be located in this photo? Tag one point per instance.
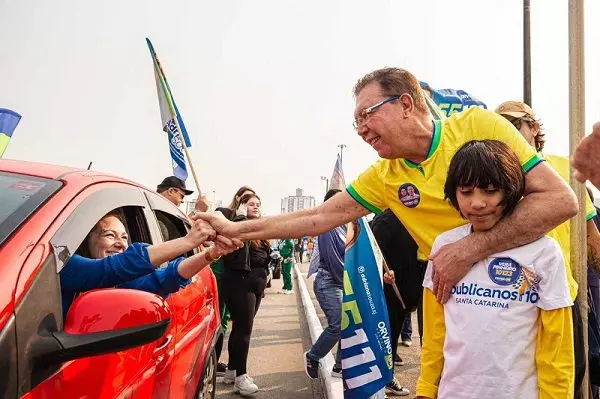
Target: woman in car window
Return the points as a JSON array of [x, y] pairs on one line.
[[107, 260], [244, 282]]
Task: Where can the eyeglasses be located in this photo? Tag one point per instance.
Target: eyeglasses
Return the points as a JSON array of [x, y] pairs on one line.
[[365, 113], [180, 192]]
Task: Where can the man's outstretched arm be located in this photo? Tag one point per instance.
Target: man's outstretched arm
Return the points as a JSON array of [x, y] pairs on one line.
[[548, 202], [338, 210]]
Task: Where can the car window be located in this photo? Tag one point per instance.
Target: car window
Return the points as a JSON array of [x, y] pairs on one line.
[[73, 231], [20, 196], [171, 227]]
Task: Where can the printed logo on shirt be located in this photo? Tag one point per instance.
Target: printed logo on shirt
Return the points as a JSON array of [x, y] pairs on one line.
[[521, 285], [409, 195], [504, 271]]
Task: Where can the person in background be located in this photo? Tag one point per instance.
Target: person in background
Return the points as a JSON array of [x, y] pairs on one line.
[[530, 127], [286, 250], [218, 269], [406, 333], [328, 264], [310, 246], [244, 283], [105, 259], [515, 304], [174, 190], [298, 250]]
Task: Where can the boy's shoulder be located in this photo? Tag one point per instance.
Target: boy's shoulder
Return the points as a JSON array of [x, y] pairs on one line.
[[452, 235]]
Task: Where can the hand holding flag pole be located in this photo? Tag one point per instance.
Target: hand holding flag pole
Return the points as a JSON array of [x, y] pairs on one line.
[[393, 283]]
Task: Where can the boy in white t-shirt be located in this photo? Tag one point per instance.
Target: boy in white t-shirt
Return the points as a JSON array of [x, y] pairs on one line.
[[506, 331]]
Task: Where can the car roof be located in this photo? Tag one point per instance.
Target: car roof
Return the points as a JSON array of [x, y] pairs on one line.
[[66, 174]]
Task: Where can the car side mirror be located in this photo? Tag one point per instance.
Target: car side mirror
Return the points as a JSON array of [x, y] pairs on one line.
[[108, 320]]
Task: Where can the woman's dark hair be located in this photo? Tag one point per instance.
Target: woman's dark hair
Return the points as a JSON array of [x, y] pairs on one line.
[[84, 249], [484, 163], [331, 193], [234, 201]]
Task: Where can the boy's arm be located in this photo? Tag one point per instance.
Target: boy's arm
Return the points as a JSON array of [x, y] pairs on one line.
[[432, 355], [554, 357]]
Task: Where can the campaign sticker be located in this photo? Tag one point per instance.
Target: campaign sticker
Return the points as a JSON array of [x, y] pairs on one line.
[[409, 195], [24, 186], [504, 271]]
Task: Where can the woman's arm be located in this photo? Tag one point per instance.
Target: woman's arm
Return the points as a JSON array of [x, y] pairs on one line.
[[432, 355], [164, 252], [554, 357], [192, 265]]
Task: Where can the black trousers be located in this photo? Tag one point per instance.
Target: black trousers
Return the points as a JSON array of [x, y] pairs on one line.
[[580, 355], [243, 293]]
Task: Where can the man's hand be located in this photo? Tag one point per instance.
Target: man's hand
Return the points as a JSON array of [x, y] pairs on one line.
[[450, 264], [585, 159], [201, 204], [389, 277], [220, 248], [200, 232], [224, 227]]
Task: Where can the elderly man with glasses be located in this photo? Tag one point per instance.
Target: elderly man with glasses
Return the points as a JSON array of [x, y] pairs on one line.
[[391, 116]]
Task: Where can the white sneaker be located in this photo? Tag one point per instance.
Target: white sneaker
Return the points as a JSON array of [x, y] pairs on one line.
[[229, 377], [288, 291], [245, 386]]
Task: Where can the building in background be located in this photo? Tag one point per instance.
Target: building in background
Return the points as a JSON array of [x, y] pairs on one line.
[[297, 202], [188, 206]]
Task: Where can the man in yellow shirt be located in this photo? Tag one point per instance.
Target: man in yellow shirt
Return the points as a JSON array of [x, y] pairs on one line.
[[392, 117]]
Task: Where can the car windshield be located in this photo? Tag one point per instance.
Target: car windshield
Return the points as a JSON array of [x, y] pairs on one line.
[[20, 196]]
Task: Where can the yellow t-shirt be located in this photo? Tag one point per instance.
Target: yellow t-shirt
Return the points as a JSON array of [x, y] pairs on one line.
[[415, 192], [562, 233]]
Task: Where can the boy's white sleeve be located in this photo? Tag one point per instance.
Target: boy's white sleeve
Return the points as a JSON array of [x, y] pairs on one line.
[[553, 287]]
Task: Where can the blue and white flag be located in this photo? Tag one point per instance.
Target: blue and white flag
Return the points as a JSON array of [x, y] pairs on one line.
[[337, 180], [169, 113], [451, 100], [8, 123], [366, 343]]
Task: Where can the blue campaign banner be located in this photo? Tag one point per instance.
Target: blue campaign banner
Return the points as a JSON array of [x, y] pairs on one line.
[[365, 340], [451, 100]]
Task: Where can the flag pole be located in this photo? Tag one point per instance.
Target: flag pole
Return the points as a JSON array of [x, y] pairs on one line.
[[576, 128]]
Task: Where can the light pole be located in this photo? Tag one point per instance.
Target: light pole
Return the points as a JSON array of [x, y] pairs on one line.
[[326, 183], [215, 199], [342, 151]]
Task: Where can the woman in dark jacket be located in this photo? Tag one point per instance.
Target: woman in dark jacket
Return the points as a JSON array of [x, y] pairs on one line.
[[244, 282]]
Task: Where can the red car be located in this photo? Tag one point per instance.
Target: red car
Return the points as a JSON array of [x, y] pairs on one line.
[[113, 343]]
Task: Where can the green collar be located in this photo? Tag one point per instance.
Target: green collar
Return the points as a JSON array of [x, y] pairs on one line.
[[435, 143]]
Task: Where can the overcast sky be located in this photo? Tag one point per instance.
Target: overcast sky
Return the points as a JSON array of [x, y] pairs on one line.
[[264, 87]]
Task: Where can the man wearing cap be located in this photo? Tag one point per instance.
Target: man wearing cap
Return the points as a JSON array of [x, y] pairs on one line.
[[173, 189], [529, 125]]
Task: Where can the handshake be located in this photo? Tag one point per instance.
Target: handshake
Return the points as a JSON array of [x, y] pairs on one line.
[[213, 227]]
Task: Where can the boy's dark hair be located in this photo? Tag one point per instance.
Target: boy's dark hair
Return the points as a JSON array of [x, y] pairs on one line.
[[483, 163], [331, 193]]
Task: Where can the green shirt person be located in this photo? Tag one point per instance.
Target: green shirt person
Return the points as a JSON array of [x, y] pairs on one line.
[[286, 250]]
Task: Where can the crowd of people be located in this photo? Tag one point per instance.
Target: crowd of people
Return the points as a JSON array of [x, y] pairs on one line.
[[471, 216]]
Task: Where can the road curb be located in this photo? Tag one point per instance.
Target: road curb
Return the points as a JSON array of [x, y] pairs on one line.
[[333, 386]]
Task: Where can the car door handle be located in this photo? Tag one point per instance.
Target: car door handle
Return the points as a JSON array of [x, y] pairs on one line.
[[163, 347]]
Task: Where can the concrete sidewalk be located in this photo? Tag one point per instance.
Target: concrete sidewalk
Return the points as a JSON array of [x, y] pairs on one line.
[[279, 339]]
